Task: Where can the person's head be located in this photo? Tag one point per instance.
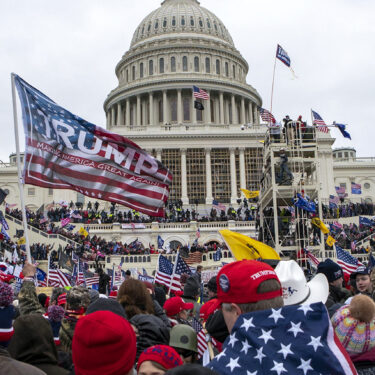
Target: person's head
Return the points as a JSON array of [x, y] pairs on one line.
[[7, 313], [175, 307], [77, 299], [191, 288], [156, 360], [246, 286], [362, 280], [332, 271], [103, 343], [212, 287], [199, 269], [183, 339], [106, 304], [135, 298]]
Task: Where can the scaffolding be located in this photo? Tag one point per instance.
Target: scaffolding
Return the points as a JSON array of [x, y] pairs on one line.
[[290, 167]]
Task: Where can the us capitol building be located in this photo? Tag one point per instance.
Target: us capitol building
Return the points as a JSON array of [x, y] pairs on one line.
[[212, 153]]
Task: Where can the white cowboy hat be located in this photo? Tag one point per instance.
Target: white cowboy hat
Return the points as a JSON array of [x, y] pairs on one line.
[[296, 290]]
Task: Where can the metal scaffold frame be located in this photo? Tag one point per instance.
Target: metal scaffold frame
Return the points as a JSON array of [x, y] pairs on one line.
[[282, 225]]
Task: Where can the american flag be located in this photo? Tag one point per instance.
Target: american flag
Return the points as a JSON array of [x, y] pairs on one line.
[[63, 151], [296, 339], [164, 271], [217, 205], [80, 280], [312, 259], [91, 278], [347, 262], [200, 94], [55, 276], [333, 201], [317, 120], [169, 274], [201, 337], [75, 215], [267, 116]]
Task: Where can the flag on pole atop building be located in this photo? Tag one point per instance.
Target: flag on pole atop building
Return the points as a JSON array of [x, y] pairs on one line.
[[282, 55], [63, 151], [267, 116], [342, 127], [200, 94], [319, 122]]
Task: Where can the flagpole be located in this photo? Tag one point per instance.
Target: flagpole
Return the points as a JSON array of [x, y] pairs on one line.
[[273, 82], [174, 271], [48, 259], [20, 184]]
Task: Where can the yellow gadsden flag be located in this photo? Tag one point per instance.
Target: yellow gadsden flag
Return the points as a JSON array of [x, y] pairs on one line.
[[21, 241], [83, 232], [244, 247], [317, 222], [250, 194], [330, 241]]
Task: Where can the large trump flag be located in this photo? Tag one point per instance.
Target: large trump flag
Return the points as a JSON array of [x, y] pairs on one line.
[[63, 151]]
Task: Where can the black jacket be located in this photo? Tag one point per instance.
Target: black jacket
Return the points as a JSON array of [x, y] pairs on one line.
[[151, 331], [216, 326], [33, 343]]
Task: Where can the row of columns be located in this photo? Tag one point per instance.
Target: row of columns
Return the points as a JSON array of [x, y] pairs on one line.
[[115, 116], [233, 174]]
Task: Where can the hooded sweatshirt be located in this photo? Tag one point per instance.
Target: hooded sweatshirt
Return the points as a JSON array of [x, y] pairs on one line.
[[33, 343]]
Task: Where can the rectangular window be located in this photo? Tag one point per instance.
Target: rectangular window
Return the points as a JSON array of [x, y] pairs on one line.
[[50, 191], [31, 192], [150, 67], [160, 111], [199, 113], [173, 103]]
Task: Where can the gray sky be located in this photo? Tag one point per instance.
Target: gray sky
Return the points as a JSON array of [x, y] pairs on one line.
[[69, 49]]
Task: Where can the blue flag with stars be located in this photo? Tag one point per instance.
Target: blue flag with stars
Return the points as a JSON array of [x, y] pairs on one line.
[[295, 339]]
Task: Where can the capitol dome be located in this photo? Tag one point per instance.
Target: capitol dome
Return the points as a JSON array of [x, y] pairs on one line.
[[181, 16]]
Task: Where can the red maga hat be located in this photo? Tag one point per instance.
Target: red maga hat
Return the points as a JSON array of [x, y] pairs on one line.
[[238, 282], [165, 355], [174, 305]]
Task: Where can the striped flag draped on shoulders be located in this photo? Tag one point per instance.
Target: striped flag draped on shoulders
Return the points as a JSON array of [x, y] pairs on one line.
[[200, 94], [63, 151], [319, 122]]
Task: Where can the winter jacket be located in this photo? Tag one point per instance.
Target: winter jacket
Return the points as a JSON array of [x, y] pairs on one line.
[[159, 312], [33, 343], [151, 331], [10, 366], [28, 299], [216, 326], [68, 325], [337, 296]]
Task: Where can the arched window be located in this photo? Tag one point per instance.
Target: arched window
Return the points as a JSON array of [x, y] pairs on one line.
[[217, 66], [196, 64], [226, 69], [182, 21], [184, 63], [156, 24], [208, 23], [174, 21], [127, 75], [200, 22], [133, 73], [161, 65], [149, 27], [191, 21], [173, 64], [215, 26], [143, 30], [141, 70], [165, 22], [234, 71], [208, 68], [150, 67]]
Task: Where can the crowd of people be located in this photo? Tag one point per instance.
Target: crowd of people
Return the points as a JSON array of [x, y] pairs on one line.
[[251, 318]]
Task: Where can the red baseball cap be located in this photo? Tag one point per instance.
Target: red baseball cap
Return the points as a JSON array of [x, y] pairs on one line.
[[174, 305], [238, 282], [208, 308]]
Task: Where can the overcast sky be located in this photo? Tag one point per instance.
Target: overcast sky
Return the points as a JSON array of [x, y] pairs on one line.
[[69, 49]]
